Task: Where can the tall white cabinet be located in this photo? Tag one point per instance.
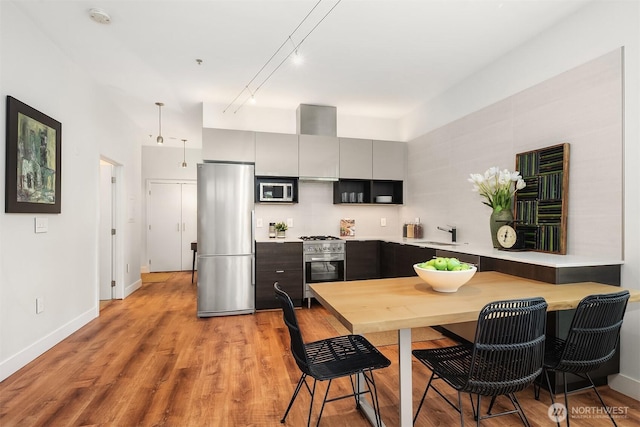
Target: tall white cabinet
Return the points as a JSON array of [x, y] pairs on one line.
[[171, 224]]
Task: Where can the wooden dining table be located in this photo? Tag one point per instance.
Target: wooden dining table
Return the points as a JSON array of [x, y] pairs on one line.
[[400, 304]]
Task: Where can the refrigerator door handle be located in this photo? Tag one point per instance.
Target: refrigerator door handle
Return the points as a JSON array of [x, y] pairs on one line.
[[253, 230], [253, 270]]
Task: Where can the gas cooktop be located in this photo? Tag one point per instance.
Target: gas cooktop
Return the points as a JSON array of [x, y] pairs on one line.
[[317, 238]]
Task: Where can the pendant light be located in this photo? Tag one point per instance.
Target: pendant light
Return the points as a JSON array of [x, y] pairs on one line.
[[159, 139], [184, 153]]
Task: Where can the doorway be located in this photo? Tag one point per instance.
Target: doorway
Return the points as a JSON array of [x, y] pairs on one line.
[[107, 233], [171, 224]]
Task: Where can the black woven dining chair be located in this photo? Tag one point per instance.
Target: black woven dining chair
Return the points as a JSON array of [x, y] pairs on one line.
[[329, 359], [505, 357], [591, 341]]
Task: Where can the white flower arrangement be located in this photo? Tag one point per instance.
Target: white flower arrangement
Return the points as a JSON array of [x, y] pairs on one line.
[[497, 186]]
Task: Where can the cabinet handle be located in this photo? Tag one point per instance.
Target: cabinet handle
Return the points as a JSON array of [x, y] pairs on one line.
[[279, 271], [178, 226]]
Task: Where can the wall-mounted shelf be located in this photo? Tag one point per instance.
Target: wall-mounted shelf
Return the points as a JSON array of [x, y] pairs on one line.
[[348, 191], [541, 207]]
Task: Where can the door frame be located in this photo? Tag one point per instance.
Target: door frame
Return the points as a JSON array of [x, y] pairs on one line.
[[147, 220], [117, 260]]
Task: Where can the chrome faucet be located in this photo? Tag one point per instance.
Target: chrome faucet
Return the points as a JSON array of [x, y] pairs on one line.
[[451, 230]]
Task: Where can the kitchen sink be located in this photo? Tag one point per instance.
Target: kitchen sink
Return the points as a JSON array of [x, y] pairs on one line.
[[430, 242]]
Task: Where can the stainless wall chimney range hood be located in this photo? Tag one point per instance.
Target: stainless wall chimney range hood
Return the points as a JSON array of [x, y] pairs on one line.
[[316, 120]]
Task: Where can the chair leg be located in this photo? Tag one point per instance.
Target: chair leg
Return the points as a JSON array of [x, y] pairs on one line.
[[546, 375], [566, 396], [473, 407], [423, 397], [516, 404], [476, 415], [493, 400], [373, 391], [293, 398], [313, 394], [601, 401], [460, 408], [324, 401]]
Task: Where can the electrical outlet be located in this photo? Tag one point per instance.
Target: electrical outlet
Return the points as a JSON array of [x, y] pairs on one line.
[[289, 222], [383, 222], [39, 305], [259, 223]]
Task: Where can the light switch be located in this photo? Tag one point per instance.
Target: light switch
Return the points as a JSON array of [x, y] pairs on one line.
[[42, 225], [259, 222], [289, 222], [383, 222]]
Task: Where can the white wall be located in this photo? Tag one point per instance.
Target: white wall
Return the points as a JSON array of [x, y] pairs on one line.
[[594, 30], [582, 106], [259, 119], [61, 265]]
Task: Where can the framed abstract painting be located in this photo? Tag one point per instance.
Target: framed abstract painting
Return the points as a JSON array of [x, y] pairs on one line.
[[34, 160]]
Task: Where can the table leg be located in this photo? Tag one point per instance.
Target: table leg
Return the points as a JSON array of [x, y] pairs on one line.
[[365, 406], [193, 265], [406, 395]]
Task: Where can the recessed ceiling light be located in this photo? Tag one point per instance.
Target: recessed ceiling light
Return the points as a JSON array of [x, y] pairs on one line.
[[99, 16]]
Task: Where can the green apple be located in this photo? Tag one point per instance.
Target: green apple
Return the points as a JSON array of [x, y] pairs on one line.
[[452, 263], [429, 267], [440, 264]]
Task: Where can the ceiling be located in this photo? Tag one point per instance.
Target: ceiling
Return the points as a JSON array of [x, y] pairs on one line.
[[368, 58]]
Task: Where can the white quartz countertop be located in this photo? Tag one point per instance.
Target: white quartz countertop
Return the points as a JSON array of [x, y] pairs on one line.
[[527, 257]]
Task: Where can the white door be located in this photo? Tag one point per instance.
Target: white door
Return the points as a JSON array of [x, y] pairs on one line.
[[106, 237], [189, 222], [164, 232], [172, 225]]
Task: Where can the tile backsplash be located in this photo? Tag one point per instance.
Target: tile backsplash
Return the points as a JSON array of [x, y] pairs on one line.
[[315, 214]]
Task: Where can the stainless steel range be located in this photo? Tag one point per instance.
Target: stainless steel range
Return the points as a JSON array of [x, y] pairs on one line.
[[324, 259]]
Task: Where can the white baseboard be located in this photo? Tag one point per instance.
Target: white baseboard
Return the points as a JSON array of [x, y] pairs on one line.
[[132, 287], [625, 385], [21, 359]]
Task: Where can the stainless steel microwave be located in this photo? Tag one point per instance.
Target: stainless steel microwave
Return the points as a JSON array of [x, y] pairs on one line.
[[276, 192]]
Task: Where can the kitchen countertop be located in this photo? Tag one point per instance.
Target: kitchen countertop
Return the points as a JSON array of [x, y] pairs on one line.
[[528, 257], [278, 240]]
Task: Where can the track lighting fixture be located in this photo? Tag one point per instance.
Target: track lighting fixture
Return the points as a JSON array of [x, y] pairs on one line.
[[184, 153], [160, 139], [249, 96], [296, 57]]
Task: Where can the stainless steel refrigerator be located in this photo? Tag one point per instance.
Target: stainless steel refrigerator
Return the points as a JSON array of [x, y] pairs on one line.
[[226, 256]]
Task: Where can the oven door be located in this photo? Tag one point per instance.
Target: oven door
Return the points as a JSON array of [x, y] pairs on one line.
[[324, 270]]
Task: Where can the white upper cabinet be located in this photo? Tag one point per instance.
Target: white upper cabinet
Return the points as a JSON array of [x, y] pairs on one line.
[[356, 158], [229, 145], [276, 154], [389, 160], [319, 156]]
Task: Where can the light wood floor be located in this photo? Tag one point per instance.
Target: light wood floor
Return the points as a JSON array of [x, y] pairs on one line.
[[149, 361]]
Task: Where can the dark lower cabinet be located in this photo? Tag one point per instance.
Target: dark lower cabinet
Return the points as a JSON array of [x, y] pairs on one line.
[[362, 260], [282, 263], [396, 259]]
